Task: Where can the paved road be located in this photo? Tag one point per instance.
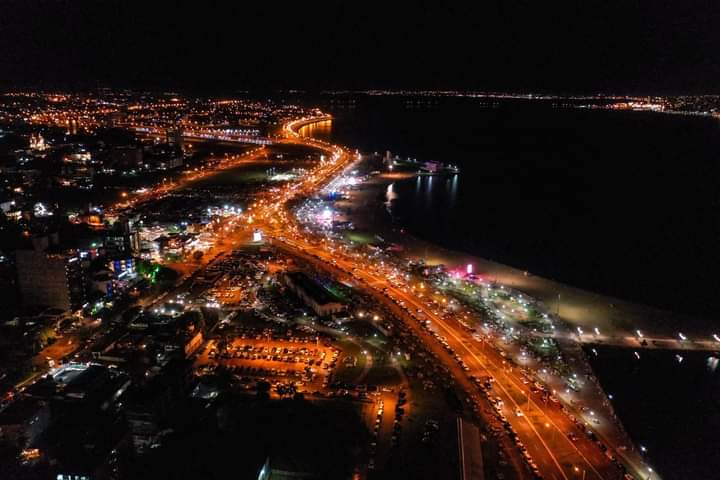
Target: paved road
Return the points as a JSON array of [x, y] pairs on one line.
[[542, 426]]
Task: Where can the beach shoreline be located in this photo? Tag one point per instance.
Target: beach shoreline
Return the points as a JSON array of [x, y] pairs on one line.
[[367, 206]]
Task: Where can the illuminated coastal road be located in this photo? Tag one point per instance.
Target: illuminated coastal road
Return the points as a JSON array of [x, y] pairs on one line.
[[542, 427]]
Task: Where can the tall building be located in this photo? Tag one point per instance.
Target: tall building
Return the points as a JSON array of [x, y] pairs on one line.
[[122, 239], [174, 136], [150, 406], [125, 157], [48, 277]]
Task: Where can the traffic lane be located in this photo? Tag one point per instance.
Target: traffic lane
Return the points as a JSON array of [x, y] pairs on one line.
[[550, 416], [541, 456], [603, 424], [559, 418], [511, 384], [545, 428], [433, 346], [539, 451], [565, 449], [592, 399], [347, 266]]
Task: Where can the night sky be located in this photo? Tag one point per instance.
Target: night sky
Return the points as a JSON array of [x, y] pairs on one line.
[[576, 46]]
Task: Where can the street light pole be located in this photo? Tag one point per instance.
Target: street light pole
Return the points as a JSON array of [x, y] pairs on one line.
[[558, 305]]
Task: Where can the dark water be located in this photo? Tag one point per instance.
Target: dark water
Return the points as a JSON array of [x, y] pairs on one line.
[[623, 203], [672, 408]]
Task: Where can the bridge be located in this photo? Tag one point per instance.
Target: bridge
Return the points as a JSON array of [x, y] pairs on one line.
[[239, 136], [226, 135], [293, 126]]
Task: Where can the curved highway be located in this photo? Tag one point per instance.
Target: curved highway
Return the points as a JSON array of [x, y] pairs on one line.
[[543, 427]]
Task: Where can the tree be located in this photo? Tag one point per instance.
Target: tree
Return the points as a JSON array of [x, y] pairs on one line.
[[263, 389], [45, 336], [165, 274]]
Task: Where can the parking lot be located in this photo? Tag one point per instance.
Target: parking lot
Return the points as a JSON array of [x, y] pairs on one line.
[[303, 362]]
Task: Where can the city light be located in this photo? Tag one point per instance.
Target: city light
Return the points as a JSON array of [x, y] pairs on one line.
[[272, 315]]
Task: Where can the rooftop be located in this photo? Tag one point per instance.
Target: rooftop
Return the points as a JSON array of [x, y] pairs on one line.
[[312, 288]]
